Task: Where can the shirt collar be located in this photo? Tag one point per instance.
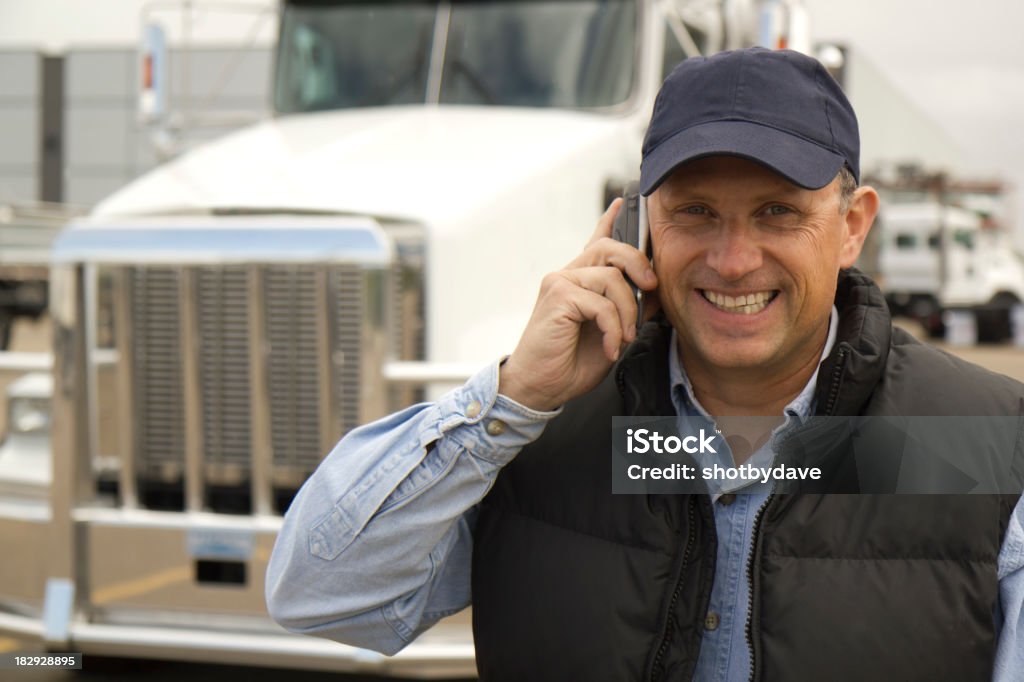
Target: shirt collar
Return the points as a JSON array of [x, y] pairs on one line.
[[801, 406]]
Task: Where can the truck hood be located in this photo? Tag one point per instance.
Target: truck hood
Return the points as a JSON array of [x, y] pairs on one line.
[[399, 162]]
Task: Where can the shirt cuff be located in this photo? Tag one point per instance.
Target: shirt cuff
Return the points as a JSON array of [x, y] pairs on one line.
[[486, 424]]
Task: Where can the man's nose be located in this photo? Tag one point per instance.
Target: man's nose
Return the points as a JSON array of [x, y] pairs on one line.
[[734, 252]]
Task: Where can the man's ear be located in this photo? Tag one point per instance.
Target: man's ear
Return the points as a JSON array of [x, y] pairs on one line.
[[858, 218]]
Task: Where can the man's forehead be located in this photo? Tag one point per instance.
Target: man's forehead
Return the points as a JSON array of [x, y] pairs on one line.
[[727, 171]]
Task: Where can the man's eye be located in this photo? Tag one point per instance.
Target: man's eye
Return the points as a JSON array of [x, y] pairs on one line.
[[695, 210], [778, 209]]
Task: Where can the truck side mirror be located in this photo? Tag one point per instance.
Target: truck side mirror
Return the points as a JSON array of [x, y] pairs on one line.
[[152, 99]]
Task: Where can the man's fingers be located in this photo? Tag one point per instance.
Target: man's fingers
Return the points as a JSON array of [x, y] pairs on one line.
[[603, 250], [594, 294], [604, 224], [592, 306], [609, 282], [629, 260]]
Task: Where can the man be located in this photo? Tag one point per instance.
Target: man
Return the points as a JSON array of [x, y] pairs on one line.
[[750, 167]]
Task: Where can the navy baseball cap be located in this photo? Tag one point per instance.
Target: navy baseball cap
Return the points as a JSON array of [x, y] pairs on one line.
[[779, 108]]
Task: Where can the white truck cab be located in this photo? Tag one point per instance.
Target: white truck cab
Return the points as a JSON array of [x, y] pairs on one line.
[[222, 321], [934, 258]]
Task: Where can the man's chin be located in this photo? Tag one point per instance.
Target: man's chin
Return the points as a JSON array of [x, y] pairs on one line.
[[733, 354]]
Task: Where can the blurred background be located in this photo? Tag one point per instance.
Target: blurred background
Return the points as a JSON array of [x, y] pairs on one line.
[[225, 225], [959, 68]]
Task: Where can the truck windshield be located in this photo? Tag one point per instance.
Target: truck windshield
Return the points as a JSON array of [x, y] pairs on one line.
[[535, 53]]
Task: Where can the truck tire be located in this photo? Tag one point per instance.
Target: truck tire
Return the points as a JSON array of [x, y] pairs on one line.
[[994, 319], [927, 311], [6, 326]]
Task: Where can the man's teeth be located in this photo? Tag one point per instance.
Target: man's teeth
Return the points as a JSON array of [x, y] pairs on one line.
[[745, 305]]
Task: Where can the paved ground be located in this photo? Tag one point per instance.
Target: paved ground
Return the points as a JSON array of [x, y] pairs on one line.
[[1005, 359]]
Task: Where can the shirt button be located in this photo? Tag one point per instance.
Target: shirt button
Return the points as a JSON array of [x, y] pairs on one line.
[[727, 499], [711, 621], [473, 409], [496, 427]]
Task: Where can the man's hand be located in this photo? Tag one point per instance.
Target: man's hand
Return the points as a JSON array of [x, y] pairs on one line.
[[585, 314]]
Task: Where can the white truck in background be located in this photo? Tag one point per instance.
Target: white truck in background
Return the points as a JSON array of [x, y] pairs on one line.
[[222, 321], [934, 258]]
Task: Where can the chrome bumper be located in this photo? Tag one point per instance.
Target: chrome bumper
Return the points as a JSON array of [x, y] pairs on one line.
[[440, 655]]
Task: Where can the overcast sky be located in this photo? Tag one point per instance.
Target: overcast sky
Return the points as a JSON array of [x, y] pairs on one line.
[[963, 63]]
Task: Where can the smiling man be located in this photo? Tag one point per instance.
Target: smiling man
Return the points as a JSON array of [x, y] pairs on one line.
[[500, 494], [729, 229]]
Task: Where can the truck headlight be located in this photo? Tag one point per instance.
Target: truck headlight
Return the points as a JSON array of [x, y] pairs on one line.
[[28, 415]]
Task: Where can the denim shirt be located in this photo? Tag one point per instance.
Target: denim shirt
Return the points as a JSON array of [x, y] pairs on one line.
[[725, 654], [376, 546]]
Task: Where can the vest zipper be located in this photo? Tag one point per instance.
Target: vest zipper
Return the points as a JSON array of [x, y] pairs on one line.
[[753, 637], [837, 375], [690, 539]]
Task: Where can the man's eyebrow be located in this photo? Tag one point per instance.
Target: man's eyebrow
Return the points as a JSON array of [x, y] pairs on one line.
[[782, 190], [689, 193]]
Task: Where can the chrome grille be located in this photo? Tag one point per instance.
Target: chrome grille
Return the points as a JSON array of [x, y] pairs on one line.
[[293, 371], [406, 307], [156, 369], [347, 287], [222, 311], [294, 366]]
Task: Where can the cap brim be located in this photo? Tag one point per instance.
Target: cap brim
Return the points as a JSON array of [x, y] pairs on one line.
[[800, 161]]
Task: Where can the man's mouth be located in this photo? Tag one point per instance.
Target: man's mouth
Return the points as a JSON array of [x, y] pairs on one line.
[[743, 304]]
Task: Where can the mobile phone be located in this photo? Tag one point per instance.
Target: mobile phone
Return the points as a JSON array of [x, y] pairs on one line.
[[631, 227]]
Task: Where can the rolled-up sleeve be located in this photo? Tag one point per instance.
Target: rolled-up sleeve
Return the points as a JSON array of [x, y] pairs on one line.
[[376, 546]]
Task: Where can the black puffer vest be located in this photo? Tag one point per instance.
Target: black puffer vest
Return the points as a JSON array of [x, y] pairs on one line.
[[571, 582]]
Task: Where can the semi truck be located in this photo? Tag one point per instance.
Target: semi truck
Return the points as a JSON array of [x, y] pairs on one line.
[[934, 258], [222, 321]]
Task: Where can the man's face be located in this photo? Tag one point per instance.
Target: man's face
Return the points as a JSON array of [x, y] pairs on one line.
[[724, 228]]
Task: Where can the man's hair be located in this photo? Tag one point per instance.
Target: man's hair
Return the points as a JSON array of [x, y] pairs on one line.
[[847, 186]]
